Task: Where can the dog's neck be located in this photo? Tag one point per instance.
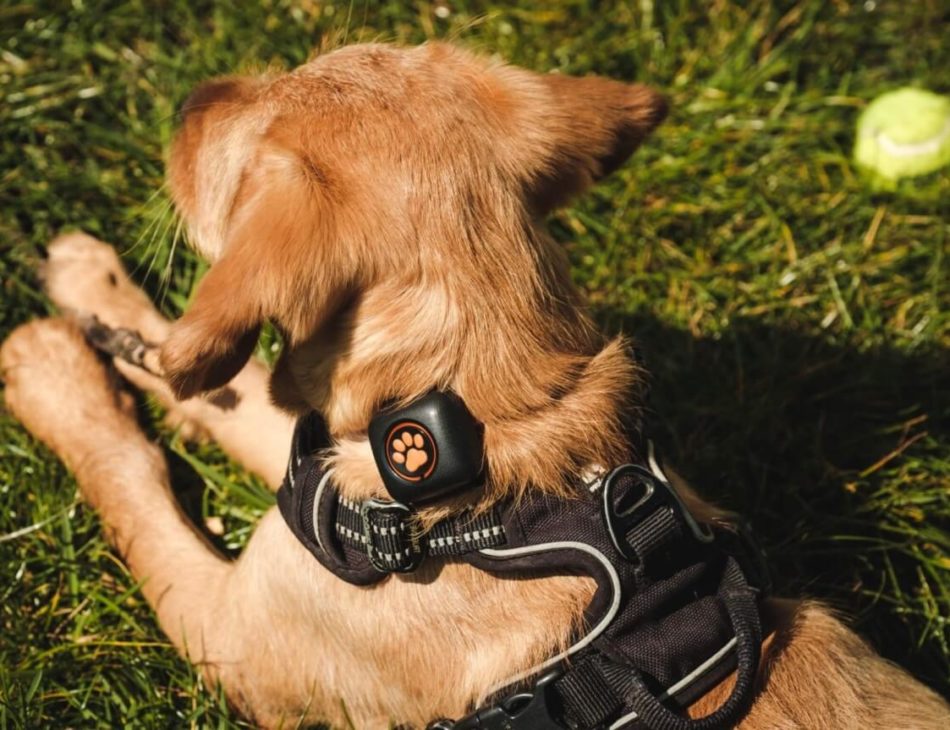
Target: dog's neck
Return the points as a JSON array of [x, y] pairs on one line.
[[509, 335]]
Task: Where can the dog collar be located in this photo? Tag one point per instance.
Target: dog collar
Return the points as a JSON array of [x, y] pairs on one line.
[[675, 610]]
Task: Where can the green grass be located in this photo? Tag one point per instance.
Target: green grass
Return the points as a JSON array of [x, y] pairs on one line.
[[795, 321]]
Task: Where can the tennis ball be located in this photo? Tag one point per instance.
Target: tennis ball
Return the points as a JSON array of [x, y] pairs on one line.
[[904, 133]]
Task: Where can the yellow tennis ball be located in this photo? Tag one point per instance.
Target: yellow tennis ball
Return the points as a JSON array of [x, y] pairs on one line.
[[904, 133]]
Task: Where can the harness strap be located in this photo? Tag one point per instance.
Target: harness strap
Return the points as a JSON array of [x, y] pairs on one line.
[[653, 534], [588, 696], [391, 541]]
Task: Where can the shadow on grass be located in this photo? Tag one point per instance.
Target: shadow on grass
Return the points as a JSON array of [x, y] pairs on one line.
[[837, 457], [192, 493]]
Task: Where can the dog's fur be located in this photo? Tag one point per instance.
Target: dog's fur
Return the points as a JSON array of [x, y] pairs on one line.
[[383, 207]]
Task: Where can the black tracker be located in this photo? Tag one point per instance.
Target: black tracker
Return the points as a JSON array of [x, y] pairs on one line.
[[428, 449]]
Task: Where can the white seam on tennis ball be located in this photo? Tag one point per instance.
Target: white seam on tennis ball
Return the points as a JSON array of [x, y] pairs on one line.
[[911, 149]]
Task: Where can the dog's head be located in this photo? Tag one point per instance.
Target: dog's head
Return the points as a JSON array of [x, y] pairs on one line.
[[311, 190]]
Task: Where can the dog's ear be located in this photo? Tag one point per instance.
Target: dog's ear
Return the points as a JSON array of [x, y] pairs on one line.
[[216, 336], [276, 265], [594, 124]]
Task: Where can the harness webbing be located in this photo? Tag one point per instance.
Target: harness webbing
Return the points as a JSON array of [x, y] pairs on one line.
[[387, 535]]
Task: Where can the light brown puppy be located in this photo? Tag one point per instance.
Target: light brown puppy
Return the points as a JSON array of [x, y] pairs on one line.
[[383, 207]]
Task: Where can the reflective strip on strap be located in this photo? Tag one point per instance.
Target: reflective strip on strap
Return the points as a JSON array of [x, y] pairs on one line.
[[387, 534]]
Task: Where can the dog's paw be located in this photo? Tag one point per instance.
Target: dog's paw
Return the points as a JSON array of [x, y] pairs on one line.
[[407, 451], [56, 386], [84, 275]]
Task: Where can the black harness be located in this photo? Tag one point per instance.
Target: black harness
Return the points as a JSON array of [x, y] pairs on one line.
[[675, 610]]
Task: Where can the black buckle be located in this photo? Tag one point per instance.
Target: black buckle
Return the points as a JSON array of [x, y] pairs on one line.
[[536, 709], [649, 493], [408, 547]]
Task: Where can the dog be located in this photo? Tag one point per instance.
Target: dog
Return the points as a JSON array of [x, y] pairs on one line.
[[383, 207]]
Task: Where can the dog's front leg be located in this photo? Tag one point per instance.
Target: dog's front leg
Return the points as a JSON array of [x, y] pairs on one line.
[[61, 392]]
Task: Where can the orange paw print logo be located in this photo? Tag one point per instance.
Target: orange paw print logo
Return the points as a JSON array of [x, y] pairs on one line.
[[411, 451]]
